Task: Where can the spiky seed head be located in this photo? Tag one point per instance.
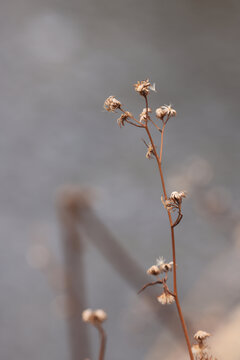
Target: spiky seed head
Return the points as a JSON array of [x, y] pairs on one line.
[[112, 104]]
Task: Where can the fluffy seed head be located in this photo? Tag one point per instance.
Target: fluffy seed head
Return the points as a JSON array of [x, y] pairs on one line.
[[168, 266], [111, 104], [202, 352], [153, 270], [163, 266], [201, 335], [165, 298]]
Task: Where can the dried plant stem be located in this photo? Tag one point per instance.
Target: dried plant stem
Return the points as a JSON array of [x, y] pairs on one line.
[[159, 162], [103, 340]]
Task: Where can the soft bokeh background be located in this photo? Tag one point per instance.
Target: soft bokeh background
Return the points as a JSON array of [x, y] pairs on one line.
[[59, 60]]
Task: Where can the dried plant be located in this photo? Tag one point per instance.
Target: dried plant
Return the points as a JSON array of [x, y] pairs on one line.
[[172, 204], [96, 318]]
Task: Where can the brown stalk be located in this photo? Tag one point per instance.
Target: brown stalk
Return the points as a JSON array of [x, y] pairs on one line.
[[159, 162], [150, 284], [103, 340]]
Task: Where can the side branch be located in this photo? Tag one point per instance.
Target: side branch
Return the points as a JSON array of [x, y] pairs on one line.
[[150, 284]]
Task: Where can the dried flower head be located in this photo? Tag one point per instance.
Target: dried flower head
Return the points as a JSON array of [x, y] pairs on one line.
[[87, 315], [160, 113], [121, 120], [94, 316], [112, 104], [163, 266], [150, 152], [160, 261], [201, 335], [178, 196], [175, 200], [168, 110], [166, 298], [153, 270], [143, 115], [143, 87], [201, 353], [100, 315], [168, 266], [201, 350]]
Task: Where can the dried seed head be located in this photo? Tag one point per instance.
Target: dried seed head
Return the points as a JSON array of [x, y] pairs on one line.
[[150, 152], [94, 317], [201, 335], [153, 270], [202, 352], [111, 104], [87, 315], [165, 110], [178, 196], [160, 261], [163, 266], [121, 120], [168, 266], [100, 315], [143, 87], [168, 204], [169, 111], [165, 298], [143, 115], [160, 113]]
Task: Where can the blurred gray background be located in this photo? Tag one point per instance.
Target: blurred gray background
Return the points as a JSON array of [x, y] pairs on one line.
[[59, 60]]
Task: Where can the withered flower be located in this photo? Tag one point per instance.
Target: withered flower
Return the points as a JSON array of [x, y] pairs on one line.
[[163, 266], [165, 298], [94, 316], [143, 87], [100, 315], [178, 196], [143, 115], [201, 350], [175, 200], [165, 110], [153, 270], [150, 152], [201, 335], [121, 120], [112, 104]]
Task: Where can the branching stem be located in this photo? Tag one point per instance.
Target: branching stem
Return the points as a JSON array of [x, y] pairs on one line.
[[159, 162]]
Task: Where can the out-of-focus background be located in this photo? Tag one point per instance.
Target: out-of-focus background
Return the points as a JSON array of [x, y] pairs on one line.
[[59, 60]]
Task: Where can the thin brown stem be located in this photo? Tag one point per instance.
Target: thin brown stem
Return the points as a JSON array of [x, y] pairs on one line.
[[150, 284], [103, 340], [157, 127], [130, 122], [161, 146], [132, 117], [159, 162]]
